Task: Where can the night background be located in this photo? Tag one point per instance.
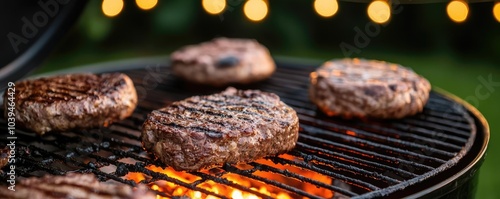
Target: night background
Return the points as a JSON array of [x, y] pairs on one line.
[[452, 56]]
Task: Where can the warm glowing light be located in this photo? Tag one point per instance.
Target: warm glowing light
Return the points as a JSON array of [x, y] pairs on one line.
[[326, 8], [197, 195], [457, 10], [237, 194], [379, 11], [173, 189], [146, 4], [496, 11], [213, 6], [112, 8], [255, 10]]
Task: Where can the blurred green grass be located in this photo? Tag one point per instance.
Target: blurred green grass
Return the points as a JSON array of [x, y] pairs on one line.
[[457, 75]]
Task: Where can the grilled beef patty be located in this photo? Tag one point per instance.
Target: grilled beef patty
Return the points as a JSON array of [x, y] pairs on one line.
[[368, 88], [229, 127], [73, 185], [223, 61], [71, 101]]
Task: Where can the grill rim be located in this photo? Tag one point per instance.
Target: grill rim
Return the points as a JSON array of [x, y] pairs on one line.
[[473, 167], [293, 62]]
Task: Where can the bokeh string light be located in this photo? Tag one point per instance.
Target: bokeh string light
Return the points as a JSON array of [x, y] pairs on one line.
[[496, 11], [326, 8], [146, 4], [255, 10], [457, 10], [213, 6], [112, 8], [379, 11]]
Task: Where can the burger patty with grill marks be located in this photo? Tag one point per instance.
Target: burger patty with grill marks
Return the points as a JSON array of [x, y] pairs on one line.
[[65, 102], [228, 127]]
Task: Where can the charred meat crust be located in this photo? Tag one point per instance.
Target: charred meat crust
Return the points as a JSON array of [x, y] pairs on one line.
[[229, 127], [71, 101]]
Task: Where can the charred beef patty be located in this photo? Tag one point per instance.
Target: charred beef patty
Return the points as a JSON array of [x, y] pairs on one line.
[[223, 61], [368, 88], [73, 185], [71, 101], [229, 127]]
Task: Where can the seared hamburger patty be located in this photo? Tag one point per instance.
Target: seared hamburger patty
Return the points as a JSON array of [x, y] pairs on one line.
[[229, 127], [368, 88], [223, 61], [70, 101], [73, 186]]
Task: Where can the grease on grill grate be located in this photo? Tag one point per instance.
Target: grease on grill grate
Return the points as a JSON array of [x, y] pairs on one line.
[[334, 158]]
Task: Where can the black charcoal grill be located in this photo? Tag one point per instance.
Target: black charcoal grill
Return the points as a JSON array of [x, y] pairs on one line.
[[434, 154]]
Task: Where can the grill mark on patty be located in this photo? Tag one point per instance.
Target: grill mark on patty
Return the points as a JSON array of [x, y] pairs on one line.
[[230, 98], [209, 112], [53, 90], [242, 106], [220, 123], [56, 90], [206, 131]]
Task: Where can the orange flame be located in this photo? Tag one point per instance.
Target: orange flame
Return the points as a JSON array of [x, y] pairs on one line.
[[226, 190]]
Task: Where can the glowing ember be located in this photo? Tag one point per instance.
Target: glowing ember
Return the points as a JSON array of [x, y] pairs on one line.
[[226, 190]]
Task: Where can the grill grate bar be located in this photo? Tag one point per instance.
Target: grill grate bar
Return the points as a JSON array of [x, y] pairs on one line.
[[360, 134], [433, 126], [410, 135], [349, 169], [370, 145], [355, 160], [235, 170], [263, 167], [84, 167], [443, 121], [230, 183], [161, 176], [431, 133], [339, 146], [315, 167]]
